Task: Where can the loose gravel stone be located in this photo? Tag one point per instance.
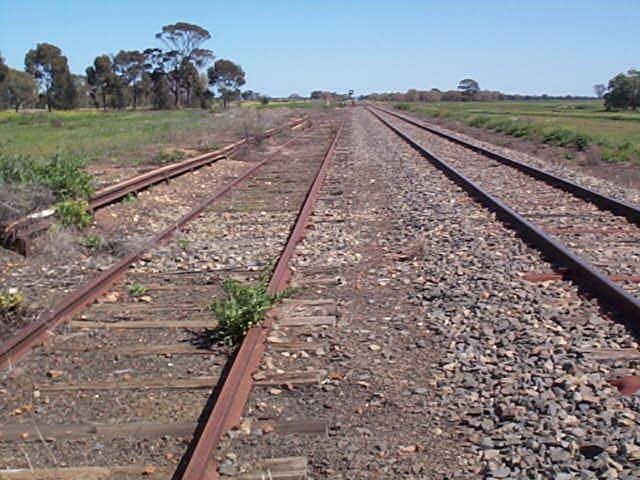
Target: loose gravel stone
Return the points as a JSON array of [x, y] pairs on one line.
[[511, 378]]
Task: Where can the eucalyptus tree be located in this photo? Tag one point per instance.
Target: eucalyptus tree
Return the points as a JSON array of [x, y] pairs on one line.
[[623, 91], [130, 67], [4, 69], [21, 89], [183, 55], [51, 69], [98, 78], [469, 87], [227, 77]]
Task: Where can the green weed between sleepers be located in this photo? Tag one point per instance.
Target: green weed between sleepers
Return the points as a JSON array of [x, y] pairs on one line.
[[245, 305], [137, 290]]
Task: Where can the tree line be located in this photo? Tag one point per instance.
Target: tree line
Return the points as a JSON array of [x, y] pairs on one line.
[[162, 78], [622, 92], [468, 89]]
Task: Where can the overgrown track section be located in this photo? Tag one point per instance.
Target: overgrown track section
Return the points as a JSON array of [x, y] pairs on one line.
[[60, 260], [17, 234], [595, 247], [118, 391]]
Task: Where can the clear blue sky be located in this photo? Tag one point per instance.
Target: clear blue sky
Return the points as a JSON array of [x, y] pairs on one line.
[[557, 47]]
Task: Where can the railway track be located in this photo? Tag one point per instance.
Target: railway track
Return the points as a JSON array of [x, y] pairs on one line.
[[444, 360], [119, 390], [18, 234], [60, 261], [592, 238], [419, 341]]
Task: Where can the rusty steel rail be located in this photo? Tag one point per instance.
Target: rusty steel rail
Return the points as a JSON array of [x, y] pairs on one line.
[[588, 277], [37, 332], [234, 390], [17, 234], [619, 207], [114, 192]]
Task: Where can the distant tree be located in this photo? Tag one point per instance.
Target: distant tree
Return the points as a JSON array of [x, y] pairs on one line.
[[106, 84], [50, 68], [156, 68], [412, 95], [250, 95], [623, 91], [129, 66], [82, 89], [99, 79], [453, 96], [183, 55], [599, 89], [227, 77], [21, 89], [469, 87], [4, 73], [160, 91], [192, 85], [316, 95], [4, 69]]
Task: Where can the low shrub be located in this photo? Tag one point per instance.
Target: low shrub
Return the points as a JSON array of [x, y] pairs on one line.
[[565, 137], [92, 241], [245, 305], [9, 300], [64, 177], [168, 156], [478, 121], [73, 212]]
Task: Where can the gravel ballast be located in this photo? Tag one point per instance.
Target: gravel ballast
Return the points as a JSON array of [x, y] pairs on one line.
[[444, 362]]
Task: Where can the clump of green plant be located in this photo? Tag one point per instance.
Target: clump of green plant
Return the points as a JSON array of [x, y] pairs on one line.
[[168, 156], [9, 300], [565, 137], [183, 244], [73, 212], [129, 198], [137, 290], [92, 241], [63, 176], [245, 305]]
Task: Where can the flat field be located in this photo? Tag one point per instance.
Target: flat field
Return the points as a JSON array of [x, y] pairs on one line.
[[574, 124], [47, 157], [128, 137]]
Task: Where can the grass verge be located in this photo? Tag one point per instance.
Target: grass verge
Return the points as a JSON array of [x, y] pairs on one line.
[[616, 135]]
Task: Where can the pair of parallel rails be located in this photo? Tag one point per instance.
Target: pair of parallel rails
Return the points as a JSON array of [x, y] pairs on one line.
[[231, 393]]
